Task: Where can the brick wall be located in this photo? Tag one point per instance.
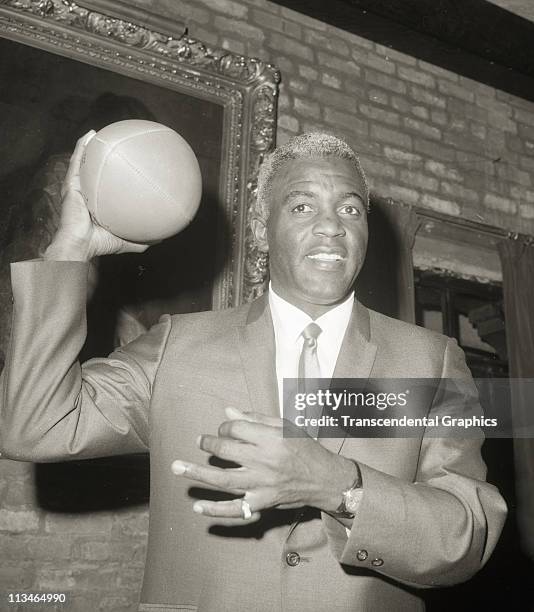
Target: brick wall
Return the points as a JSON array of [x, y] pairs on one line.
[[96, 558], [427, 137]]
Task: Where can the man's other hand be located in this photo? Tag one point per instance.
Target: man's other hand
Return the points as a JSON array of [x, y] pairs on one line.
[[275, 471]]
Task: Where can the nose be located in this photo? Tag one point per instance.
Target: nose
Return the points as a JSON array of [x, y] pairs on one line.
[[328, 224]]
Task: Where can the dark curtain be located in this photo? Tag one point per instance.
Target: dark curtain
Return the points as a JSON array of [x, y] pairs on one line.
[[517, 260], [386, 281]]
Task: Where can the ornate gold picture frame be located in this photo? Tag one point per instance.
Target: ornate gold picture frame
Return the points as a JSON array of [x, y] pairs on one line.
[[120, 39]]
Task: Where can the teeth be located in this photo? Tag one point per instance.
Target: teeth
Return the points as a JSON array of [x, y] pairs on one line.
[[326, 257]]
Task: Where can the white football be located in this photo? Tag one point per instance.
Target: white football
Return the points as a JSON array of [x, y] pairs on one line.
[[140, 180]]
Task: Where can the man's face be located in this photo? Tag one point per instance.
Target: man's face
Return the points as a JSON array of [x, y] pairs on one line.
[[316, 233]]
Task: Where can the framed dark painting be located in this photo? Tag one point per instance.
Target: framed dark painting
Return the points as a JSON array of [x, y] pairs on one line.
[[67, 68]]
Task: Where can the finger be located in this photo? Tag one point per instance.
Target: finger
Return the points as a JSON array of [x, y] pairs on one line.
[[224, 509], [231, 480], [250, 432], [133, 247], [72, 176], [85, 138], [226, 448], [114, 244], [255, 417]]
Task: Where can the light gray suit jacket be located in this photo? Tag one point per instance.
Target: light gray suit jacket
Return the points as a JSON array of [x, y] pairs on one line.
[[427, 514]]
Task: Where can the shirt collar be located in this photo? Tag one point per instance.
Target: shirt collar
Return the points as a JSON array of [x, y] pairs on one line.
[[290, 321]]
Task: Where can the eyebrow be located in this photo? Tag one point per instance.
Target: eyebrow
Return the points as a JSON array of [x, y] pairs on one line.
[[297, 193], [352, 194]]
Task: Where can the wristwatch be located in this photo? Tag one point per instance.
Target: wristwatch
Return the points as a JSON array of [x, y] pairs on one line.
[[350, 499]]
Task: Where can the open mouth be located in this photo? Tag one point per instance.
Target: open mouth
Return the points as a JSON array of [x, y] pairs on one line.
[[327, 257]]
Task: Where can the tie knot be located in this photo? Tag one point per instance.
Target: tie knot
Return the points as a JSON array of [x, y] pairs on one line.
[[311, 333]]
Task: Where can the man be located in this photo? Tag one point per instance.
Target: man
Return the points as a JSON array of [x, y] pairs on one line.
[[301, 524]]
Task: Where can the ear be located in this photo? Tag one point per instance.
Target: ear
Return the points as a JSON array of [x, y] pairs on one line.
[[259, 231]]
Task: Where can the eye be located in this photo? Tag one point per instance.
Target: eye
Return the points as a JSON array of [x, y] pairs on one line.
[[350, 209], [301, 208]]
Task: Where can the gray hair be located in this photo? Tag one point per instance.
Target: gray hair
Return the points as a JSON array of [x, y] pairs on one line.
[[305, 146]]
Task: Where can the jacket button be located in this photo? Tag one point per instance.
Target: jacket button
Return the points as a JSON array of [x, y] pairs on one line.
[[362, 555], [377, 562], [292, 559]]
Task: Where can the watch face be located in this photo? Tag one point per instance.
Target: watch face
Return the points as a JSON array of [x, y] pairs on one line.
[[352, 500]]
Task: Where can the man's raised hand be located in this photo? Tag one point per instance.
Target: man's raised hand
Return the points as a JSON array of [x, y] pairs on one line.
[[78, 237]]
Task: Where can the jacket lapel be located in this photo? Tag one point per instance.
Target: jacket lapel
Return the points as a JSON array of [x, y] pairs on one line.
[[258, 357], [356, 358]]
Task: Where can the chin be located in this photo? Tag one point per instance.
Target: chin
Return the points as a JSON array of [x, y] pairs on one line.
[[328, 300], [326, 296]]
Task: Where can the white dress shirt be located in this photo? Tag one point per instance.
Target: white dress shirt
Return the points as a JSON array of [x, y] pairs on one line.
[[289, 322]]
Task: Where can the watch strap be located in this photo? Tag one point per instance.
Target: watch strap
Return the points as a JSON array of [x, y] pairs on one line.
[[343, 511]]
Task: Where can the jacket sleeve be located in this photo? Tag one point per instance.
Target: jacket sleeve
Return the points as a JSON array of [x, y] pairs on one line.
[[438, 530], [52, 408]]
